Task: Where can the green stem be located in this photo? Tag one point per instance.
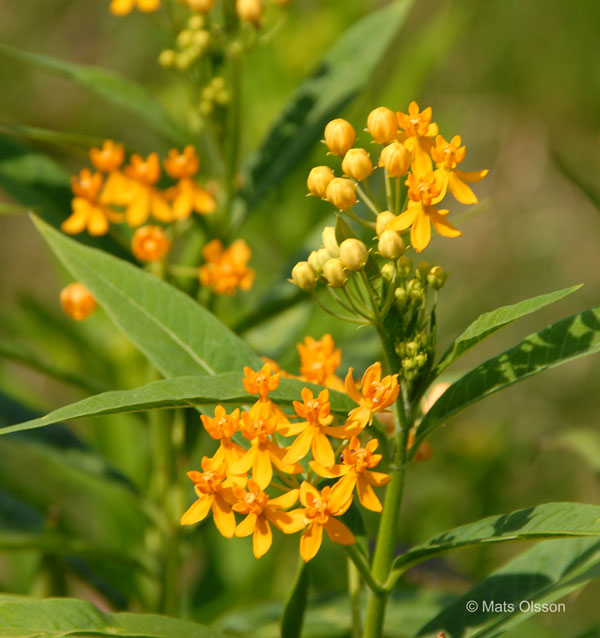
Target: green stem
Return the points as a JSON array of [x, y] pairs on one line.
[[367, 200], [388, 192], [362, 565], [358, 220], [354, 589]]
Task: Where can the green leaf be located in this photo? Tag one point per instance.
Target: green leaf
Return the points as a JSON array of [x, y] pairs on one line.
[[109, 86], [490, 322], [226, 389], [177, 334], [292, 618], [22, 617], [62, 140], [543, 574], [568, 339], [550, 520], [344, 70]]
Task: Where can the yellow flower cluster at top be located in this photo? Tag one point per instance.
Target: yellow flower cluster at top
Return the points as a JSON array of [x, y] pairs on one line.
[[124, 7], [286, 457]]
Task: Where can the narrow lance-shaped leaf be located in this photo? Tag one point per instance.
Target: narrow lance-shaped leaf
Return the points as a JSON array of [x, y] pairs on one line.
[[226, 389], [568, 339], [549, 520], [543, 574], [177, 334], [344, 70], [22, 617], [490, 322], [109, 85]]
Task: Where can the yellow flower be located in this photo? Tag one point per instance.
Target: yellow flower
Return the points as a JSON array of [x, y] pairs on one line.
[[150, 243], [312, 432], [123, 7], [215, 492], [376, 394], [140, 196], [262, 383], [226, 270], [77, 301], [447, 155], [222, 427], [356, 472], [261, 512], [319, 360], [417, 135], [187, 195], [319, 512], [88, 210], [109, 158]]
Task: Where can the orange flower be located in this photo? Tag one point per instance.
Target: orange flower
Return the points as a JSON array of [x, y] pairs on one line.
[[261, 511], [319, 512], [375, 394], [123, 7], [88, 210], [140, 196], [264, 451], [226, 270], [418, 133], [109, 159], [222, 427], [261, 383], [424, 190], [187, 196], [446, 156], [319, 360], [77, 301], [355, 470], [149, 243], [311, 433], [215, 493]]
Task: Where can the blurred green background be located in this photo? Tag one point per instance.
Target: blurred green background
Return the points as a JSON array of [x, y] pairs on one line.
[[518, 80]]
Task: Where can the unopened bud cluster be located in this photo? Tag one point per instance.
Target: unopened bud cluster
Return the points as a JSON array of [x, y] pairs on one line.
[[191, 44]]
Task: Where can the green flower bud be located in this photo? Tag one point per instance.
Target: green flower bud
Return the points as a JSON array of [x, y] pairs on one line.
[[185, 38], [415, 290], [222, 98], [166, 58], [405, 267], [388, 271], [437, 277], [401, 297], [195, 23], [423, 270], [201, 39], [304, 276], [353, 254], [206, 108], [334, 273]]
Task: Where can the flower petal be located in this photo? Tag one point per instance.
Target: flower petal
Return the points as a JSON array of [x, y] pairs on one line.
[[305, 489], [198, 511], [443, 227], [472, 176], [287, 522], [223, 517], [403, 221], [300, 447], [367, 497], [262, 538], [284, 501], [339, 533], [460, 190], [322, 450], [246, 527], [310, 541], [262, 472], [420, 233]]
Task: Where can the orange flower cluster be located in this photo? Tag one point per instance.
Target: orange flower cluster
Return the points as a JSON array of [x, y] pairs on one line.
[[226, 269], [243, 479], [124, 7], [131, 192]]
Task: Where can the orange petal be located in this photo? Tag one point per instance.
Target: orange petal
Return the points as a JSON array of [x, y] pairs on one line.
[[350, 386], [322, 450], [305, 489], [198, 511], [262, 538], [460, 190], [310, 541], [339, 533], [377, 478], [334, 471], [443, 227], [420, 233], [160, 208], [367, 497], [300, 447], [246, 527], [223, 517], [285, 501], [404, 220], [139, 209], [472, 176], [262, 472], [287, 522]]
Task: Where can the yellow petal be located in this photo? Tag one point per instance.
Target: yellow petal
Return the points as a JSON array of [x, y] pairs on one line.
[[97, 224], [139, 209], [350, 386], [472, 176], [377, 478], [339, 533], [460, 190], [334, 471], [245, 463], [300, 447], [204, 202], [344, 488], [224, 517], [305, 489], [198, 511], [121, 7], [77, 222], [420, 233], [263, 537], [148, 5], [443, 227], [284, 501], [287, 522], [367, 497], [322, 450], [160, 209], [182, 206], [262, 472], [310, 541], [246, 527], [403, 221]]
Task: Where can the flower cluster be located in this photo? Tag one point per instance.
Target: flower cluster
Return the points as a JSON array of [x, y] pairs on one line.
[[124, 7], [226, 269], [285, 458]]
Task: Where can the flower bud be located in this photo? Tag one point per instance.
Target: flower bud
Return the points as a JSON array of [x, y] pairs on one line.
[[437, 277], [149, 243], [315, 262], [184, 38], [405, 266], [77, 301], [382, 124], [201, 40], [353, 254], [401, 297], [195, 23], [341, 193], [334, 272], [357, 164], [383, 219], [319, 179], [415, 290], [304, 276], [200, 5], [395, 157], [250, 10], [388, 271], [339, 136], [166, 58], [330, 241], [422, 270], [390, 244]]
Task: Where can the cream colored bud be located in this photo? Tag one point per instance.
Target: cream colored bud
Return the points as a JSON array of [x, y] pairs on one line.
[[334, 272], [437, 277], [250, 10], [323, 257], [184, 38], [383, 219], [357, 164], [353, 254], [339, 136], [195, 23], [390, 244], [201, 39], [319, 179], [395, 157], [314, 261], [304, 276], [388, 271], [341, 192], [330, 241], [422, 270], [382, 124], [166, 58], [405, 266]]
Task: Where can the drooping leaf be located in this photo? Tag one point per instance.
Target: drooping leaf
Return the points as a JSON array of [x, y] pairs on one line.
[[550, 520], [568, 339], [22, 617], [543, 574], [344, 70], [61, 140], [226, 389], [177, 334], [292, 618], [490, 322], [110, 86]]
